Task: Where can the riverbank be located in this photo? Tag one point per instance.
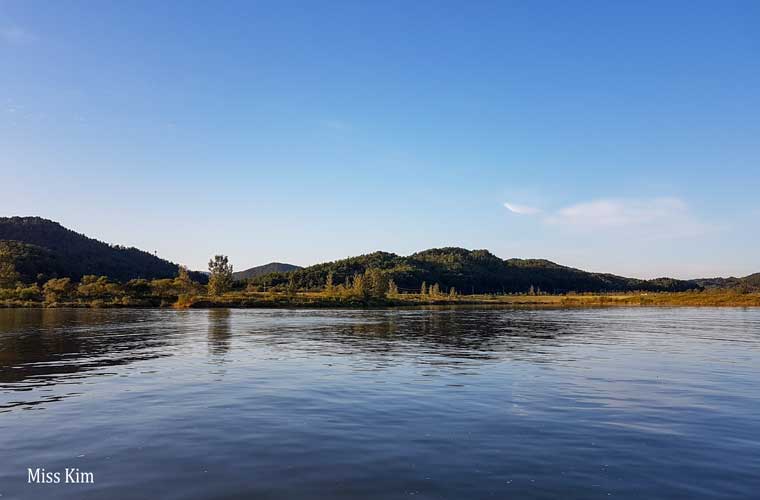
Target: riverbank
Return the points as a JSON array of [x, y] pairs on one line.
[[323, 300]]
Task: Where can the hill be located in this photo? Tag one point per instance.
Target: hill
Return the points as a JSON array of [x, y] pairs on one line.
[[272, 267], [471, 271], [749, 283], [41, 249]]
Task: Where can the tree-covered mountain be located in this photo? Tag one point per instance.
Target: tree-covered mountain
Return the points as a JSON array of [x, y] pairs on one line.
[[470, 271], [749, 283], [272, 267], [41, 249], [37, 249]]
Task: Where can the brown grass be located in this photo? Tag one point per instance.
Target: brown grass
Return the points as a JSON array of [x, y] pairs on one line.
[[721, 298]]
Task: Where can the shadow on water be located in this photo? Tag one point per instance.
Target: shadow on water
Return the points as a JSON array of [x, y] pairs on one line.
[[46, 347]]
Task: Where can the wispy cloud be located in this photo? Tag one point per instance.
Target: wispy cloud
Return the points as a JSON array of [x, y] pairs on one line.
[[338, 125], [650, 217], [15, 35], [620, 212], [522, 209]]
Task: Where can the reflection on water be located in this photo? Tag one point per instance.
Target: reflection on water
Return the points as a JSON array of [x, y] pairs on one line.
[[43, 348], [45, 345], [434, 403], [219, 332]]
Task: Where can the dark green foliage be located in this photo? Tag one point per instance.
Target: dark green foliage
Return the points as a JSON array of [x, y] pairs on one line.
[[31, 262], [469, 271], [45, 248], [746, 284], [101, 291], [273, 267], [36, 250], [220, 279]]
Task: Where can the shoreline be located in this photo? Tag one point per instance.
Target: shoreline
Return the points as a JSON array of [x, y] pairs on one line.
[[318, 300]]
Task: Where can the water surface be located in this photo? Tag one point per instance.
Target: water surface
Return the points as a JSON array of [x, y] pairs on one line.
[[447, 403]]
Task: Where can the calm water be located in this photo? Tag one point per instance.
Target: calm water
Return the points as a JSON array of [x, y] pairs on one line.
[[460, 404]]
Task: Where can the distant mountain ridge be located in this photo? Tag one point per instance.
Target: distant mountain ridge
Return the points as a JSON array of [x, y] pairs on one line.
[[272, 267], [42, 249], [748, 283], [471, 271]]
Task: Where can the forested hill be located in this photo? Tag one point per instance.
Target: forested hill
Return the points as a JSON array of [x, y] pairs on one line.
[[39, 249], [749, 283], [38, 246], [272, 267], [471, 271]]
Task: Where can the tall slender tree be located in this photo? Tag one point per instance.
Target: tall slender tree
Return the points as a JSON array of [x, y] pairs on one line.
[[359, 287], [183, 283], [329, 286], [220, 280], [376, 282]]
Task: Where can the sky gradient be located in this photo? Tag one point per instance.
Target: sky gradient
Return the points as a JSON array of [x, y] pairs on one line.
[[619, 137]]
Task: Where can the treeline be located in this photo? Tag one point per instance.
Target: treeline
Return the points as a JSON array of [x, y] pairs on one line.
[[99, 291], [373, 287], [93, 290], [747, 284], [42, 249], [470, 272], [372, 284]]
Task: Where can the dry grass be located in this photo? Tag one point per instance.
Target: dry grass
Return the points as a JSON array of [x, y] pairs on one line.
[[720, 298], [320, 299]]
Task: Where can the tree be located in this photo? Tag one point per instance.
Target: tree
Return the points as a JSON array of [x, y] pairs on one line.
[[392, 288], [435, 290], [376, 283], [138, 287], [452, 293], [96, 287], [31, 292], [56, 290], [8, 275], [163, 288], [423, 289], [329, 286], [183, 283], [359, 288], [220, 280], [292, 288]]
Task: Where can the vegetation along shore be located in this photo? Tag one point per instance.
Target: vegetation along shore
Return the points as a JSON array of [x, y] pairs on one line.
[[43, 264]]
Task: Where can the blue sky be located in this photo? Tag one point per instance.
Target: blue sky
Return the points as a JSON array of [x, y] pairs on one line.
[[612, 136]]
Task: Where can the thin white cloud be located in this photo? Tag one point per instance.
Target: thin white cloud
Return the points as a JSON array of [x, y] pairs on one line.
[[522, 209], [15, 35], [654, 217], [338, 125]]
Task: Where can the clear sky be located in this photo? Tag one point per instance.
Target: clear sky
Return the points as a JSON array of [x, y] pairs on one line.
[[612, 136]]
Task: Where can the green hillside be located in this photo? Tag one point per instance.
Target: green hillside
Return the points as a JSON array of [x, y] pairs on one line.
[[41, 249], [749, 283], [470, 271], [272, 267]]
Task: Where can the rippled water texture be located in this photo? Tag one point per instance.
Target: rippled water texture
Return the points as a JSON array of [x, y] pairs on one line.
[[451, 403]]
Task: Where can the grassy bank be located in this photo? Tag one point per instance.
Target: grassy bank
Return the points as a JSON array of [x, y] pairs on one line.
[[325, 300]]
